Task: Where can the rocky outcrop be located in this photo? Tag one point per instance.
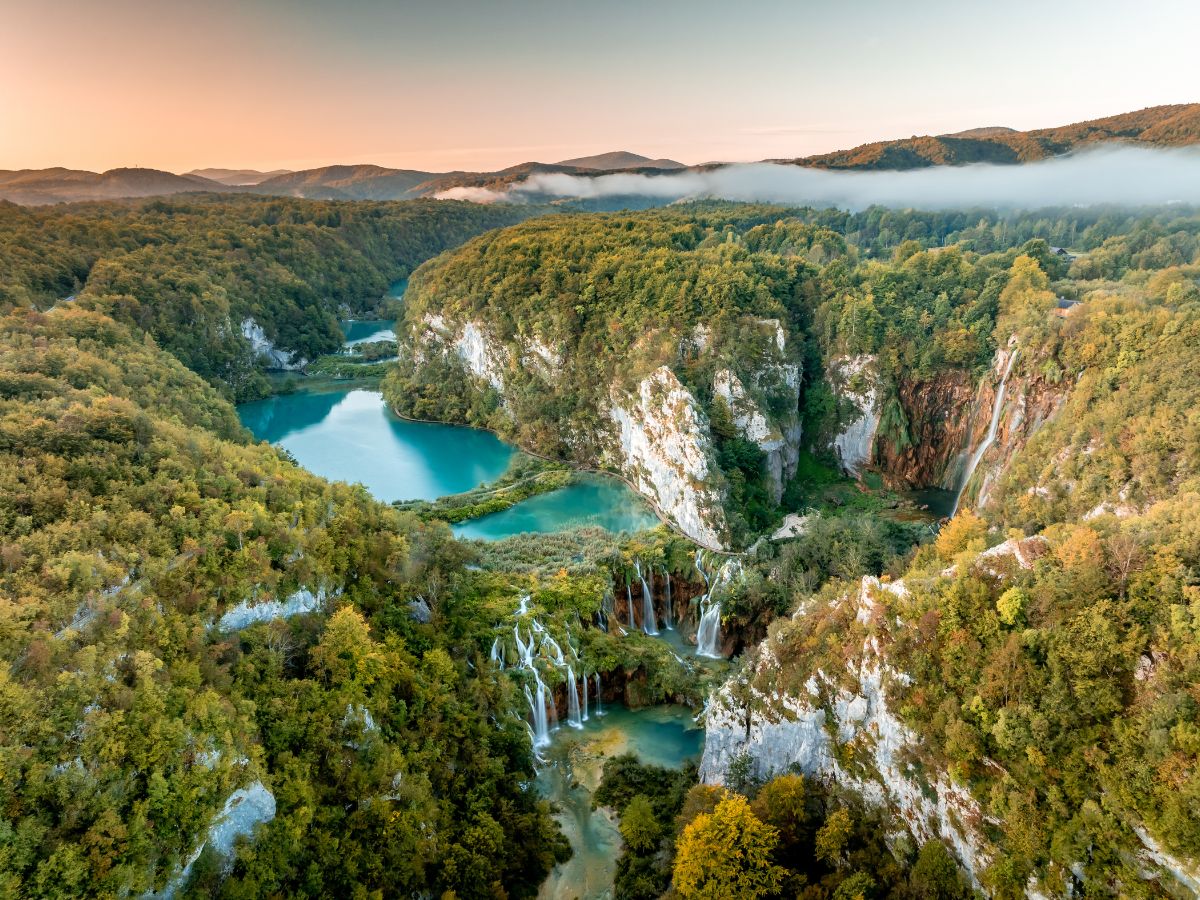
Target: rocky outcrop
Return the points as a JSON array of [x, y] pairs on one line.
[[265, 349], [249, 613], [780, 443], [481, 355], [244, 810], [663, 446], [846, 736], [855, 381]]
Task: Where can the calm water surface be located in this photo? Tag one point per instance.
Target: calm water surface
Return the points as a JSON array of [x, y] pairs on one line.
[[351, 435], [661, 736], [592, 500]]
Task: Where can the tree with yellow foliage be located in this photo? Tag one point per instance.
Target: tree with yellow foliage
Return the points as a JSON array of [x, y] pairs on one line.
[[726, 855]]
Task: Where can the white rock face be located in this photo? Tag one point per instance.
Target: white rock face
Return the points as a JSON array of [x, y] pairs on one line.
[[541, 358], [245, 809], [801, 731], [482, 356], [263, 346], [246, 613], [855, 445], [1186, 873], [664, 448], [794, 525]]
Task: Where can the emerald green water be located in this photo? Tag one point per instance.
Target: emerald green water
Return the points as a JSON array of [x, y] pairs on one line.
[[352, 436], [660, 735], [592, 500]]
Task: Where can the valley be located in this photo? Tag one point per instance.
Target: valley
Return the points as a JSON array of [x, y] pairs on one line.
[[389, 630]]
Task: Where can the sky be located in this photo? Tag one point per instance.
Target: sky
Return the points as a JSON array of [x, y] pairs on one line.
[[483, 84]]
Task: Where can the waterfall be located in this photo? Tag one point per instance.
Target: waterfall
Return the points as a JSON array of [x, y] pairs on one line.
[[669, 618], [497, 655], [629, 600], [993, 427], [583, 684], [649, 619], [709, 633], [557, 654], [537, 709], [574, 719], [599, 695]]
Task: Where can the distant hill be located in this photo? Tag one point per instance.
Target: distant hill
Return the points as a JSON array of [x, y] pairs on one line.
[[237, 177], [35, 187], [1159, 125], [620, 159], [1167, 126], [353, 182]]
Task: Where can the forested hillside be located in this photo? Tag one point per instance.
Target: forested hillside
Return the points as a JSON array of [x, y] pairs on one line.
[[139, 534], [1167, 126], [192, 271]]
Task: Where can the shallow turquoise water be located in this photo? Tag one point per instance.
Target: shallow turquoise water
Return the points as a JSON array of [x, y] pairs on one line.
[[351, 435], [596, 500], [661, 735], [364, 331]]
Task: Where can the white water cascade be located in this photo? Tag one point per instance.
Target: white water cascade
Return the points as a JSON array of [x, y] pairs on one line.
[[599, 694], [649, 619], [668, 612], [537, 711], [629, 601], [993, 427], [708, 634], [574, 718], [583, 680], [497, 655]]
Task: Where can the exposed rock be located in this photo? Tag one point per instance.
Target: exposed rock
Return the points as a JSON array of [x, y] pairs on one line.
[[796, 731], [1186, 873], [782, 448], [794, 526], [246, 613], [244, 810], [1023, 551], [419, 611], [263, 346], [854, 379], [664, 447]]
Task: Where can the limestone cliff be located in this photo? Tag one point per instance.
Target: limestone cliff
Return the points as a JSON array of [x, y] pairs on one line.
[[846, 735], [651, 424]]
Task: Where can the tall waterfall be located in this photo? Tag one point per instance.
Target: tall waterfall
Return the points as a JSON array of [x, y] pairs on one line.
[[497, 655], [599, 696], [669, 611], [649, 618], [574, 719], [993, 427], [629, 601], [583, 680]]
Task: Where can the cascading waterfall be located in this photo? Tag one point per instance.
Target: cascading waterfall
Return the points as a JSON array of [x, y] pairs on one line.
[[583, 680], [574, 717], [599, 696], [649, 619], [629, 601], [708, 634], [537, 710], [497, 654], [993, 427]]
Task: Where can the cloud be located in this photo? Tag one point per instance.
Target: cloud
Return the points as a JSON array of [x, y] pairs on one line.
[[474, 194], [1123, 174]]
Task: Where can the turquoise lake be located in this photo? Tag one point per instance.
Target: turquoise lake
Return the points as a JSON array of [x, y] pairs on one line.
[[350, 435]]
